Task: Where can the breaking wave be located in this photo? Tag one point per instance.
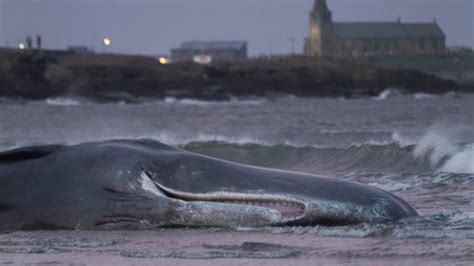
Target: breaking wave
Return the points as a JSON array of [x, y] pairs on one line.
[[434, 152], [62, 101], [388, 93], [388, 158], [191, 101], [442, 153]]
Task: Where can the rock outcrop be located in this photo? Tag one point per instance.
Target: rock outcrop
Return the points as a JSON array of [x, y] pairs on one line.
[[107, 77]]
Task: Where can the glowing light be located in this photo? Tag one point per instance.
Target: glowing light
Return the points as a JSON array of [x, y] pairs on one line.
[[202, 59], [21, 46], [106, 41], [163, 60]]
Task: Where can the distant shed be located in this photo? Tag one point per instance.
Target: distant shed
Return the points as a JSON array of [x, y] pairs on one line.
[[210, 51]]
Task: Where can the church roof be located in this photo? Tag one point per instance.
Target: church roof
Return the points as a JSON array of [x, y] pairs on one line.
[[387, 30], [213, 45]]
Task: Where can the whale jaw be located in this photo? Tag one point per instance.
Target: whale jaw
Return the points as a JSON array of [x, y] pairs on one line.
[[230, 209]]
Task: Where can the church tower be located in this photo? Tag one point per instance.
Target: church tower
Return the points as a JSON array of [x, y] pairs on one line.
[[318, 42]]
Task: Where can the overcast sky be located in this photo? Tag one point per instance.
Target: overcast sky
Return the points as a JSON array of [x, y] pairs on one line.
[[155, 26]]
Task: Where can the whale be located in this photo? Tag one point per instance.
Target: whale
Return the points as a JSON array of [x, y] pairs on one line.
[[143, 184]]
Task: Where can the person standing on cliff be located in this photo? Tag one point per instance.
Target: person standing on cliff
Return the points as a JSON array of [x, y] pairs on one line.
[[29, 41], [38, 42]]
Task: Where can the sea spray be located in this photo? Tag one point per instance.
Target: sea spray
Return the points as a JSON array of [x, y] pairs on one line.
[[443, 154], [63, 101], [462, 162], [435, 146]]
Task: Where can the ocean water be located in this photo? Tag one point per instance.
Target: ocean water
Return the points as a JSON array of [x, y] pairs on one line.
[[419, 147]]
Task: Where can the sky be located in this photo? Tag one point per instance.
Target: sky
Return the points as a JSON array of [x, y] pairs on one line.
[[153, 27]]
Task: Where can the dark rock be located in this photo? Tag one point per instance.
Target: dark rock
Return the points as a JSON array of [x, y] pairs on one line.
[[105, 78]]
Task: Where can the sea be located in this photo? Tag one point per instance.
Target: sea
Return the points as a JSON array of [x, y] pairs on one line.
[[419, 147]]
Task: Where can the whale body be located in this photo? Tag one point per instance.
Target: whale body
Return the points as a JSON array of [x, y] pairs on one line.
[[142, 184]]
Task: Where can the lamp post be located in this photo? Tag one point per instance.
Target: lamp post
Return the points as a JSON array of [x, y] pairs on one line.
[[292, 41], [106, 42]]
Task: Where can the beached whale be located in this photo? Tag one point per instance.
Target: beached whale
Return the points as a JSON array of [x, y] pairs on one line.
[[140, 184]]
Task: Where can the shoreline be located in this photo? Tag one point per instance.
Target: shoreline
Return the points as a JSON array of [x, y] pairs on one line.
[[36, 75]]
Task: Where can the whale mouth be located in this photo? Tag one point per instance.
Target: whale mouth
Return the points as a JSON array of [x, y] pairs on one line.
[[289, 208]]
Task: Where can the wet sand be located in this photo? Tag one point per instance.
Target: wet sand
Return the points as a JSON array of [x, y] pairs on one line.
[[223, 247]]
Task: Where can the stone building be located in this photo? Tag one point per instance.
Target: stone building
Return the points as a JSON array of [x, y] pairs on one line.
[[210, 51], [356, 39]]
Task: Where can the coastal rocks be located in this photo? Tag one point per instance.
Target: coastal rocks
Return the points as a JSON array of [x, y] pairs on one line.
[[110, 78], [404, 80], [22, 74]]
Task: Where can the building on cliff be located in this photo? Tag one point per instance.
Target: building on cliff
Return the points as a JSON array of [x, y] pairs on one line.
[[356, 39], [210, 51]]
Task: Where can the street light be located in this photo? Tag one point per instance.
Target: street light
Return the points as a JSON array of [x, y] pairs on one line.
[[21, 46], [163, 60], [106, 42]]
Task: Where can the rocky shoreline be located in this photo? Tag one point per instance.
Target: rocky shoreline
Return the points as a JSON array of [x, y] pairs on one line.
[[32, 74]]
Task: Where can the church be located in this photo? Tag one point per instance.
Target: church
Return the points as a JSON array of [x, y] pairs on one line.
[[357, 39]]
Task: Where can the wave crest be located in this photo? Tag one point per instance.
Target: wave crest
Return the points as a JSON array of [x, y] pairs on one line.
[[388, 158], [437, 147]]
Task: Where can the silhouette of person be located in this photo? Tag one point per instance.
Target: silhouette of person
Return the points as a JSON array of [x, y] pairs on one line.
[[29, 41], [38, 41]]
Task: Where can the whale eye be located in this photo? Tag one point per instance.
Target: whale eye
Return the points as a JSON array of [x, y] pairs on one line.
[[28, 153]]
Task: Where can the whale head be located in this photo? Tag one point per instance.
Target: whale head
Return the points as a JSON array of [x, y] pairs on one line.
[[205, 191]]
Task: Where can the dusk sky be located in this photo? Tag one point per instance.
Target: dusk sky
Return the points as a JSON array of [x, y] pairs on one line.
[[155, 26]]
